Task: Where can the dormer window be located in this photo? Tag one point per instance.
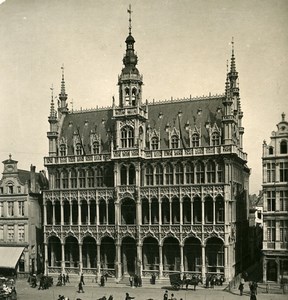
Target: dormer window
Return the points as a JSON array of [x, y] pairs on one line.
[[154, 143], [63, 150], [174, 142], [96, 147], [78, 149], [195, 140], [10, 188], [215, 139], [271, 150], [127, 137], [283, 147]]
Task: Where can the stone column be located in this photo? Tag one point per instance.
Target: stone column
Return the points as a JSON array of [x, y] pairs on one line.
[[192, 211], [80, 258], [63, 258], [214, 211], [160, 262], [170, 212], [160, 210], [45, 213], [226, 262], [71, 211], [46, 258], [62, 213], [181, 258], [97, 212], [139, 259], [53, 205], [98, 260], [79, 213], [203, 271], [89, 221], [118, 261], [181, 211], [150, 213]]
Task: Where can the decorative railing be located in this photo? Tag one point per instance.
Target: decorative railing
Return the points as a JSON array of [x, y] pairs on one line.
[[148, 154]]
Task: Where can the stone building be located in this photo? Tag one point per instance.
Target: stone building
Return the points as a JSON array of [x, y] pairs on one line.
[[275, 194], [142, 188], [21, 234]]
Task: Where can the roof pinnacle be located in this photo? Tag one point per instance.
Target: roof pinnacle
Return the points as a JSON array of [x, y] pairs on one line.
[[233, 65], [52, 110], [283, 117]]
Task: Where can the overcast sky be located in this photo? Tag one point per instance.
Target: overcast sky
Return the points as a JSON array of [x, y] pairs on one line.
[[182, 48]]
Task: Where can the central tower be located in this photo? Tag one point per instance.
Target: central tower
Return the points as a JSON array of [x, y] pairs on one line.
[[130, 80]]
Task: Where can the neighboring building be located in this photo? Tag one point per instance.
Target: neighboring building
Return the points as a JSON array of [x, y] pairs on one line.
[[275, 211], [147, 187], [20, 219], [256, 227]]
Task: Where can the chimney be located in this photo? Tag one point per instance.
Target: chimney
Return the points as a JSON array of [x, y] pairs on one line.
[[33, 178]]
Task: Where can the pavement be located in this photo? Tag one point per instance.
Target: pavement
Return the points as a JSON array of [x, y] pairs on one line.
[[92, 291]]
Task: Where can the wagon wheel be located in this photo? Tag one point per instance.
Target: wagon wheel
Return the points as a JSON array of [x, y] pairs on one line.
[[176, 286]]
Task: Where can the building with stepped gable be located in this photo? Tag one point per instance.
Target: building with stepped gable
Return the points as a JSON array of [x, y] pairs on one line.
[[147, 188], [275, 208]]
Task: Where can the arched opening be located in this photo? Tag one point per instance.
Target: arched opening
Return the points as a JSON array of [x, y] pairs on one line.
[[129, 255], [123, 175], [219, 210], [102, 212], [283, 147], [111, 212], [71, 248], [132, 174], [128, 211], [171, 254], [186, 206], [150, 254], [134, 94], [84, 212], [154, 211], [208, 209], [93, 212], [192, 255], [74, 212], [54, 252], [165, 206], [214, 255], [49, 211], [145, 211], [89, 252], [66, 210], [107, 253], [197, 210], [57, 208], [175, 210]]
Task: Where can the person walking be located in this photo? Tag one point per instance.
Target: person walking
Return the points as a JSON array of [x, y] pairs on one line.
[[131, 280], [128, 297], [80, 287], [241, 288], [82, 279], [67, 278], [165, 296]]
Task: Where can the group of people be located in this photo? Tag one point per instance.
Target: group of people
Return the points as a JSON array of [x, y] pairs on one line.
[[252, 286], [61, 297], [212, 280], [135, 281], [63, 279], [172, 297]]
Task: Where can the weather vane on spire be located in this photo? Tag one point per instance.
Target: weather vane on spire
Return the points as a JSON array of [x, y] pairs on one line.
[[62, 68], [232, 43], [129, 10]]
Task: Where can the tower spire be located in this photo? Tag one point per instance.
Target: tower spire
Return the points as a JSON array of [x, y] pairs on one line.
[[233, 65], [63, 96], [52, 109], [129, 10]]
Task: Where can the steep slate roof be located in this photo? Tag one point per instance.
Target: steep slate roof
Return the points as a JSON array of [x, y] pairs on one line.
[[100, 120]]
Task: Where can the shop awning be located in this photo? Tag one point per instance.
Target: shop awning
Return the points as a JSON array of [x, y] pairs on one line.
[[9, 256]]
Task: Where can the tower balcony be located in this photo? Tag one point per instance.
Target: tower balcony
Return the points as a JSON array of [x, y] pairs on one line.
[[130, 112]]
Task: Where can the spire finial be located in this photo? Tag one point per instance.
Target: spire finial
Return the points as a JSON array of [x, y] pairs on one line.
[[283, 117], [52, 110], [129, 10], [233, 65], [63, 82], [10, 156]]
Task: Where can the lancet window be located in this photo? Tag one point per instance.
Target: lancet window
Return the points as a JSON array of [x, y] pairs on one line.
[[200, 172], [62, 150], [215, 139], [96, 147], [189, 173], [65, 177], [149, 175], [73, 179], [90, 177], [159, 174], [154, 143], [211, 172], [174, 142], [283, 147], [169, 174], [127, 137], [179, 173], [195, 140]]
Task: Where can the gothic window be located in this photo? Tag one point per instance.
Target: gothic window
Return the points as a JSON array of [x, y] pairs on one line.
[[219, 210], [215, 139], [73, 179], [82, 179], [283, 171], [149, 175], [169, 174], [123, 175], [270, 172], [165, 210], [189, 173], [211, 172], [127, 96], [220, 172], [271, 204], [90, 177], [132, 174], [154, 143], [96, 147], [127, 137], [195, 140], [283, 200], [159, 174], [174, 142], [57, 180], [283, 147], [78, 149], [99, 177], [208, 210], [200, 175], [62, 150], [197, 210], [179, 173], [65, 179]]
